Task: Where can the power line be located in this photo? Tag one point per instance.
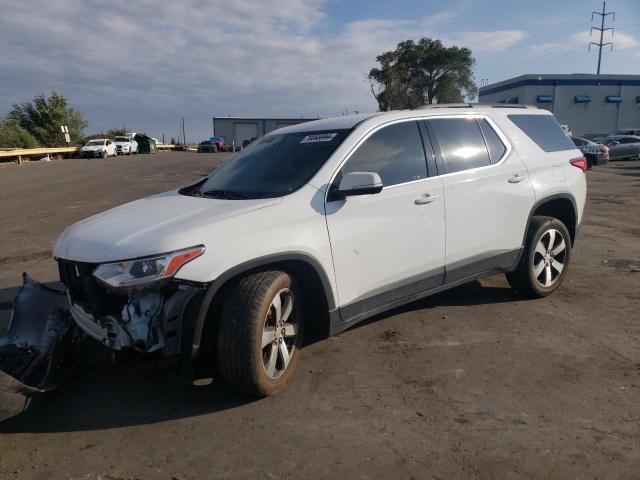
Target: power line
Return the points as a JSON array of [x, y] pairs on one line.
[[524, 61], [603, 16]]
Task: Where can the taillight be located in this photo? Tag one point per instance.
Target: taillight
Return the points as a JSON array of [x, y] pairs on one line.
[[579, 162], [604, 149]]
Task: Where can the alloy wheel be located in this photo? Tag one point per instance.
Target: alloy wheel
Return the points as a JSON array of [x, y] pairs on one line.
[[279, 334], [549, 258]]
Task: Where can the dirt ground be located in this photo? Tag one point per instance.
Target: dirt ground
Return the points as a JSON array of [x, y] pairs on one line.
[[472, 383]]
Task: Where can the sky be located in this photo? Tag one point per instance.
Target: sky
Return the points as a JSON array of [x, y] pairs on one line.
[[144, 64]]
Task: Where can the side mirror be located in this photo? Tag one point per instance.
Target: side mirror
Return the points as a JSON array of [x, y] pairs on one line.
[[356, 183]]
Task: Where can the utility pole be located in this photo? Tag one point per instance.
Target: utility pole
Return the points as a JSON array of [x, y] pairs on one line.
[[184, 135], [603, 16]]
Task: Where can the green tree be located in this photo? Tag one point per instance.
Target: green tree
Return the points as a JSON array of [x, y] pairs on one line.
[[12, 135], [113, 132], [420, 73], [42, 118]]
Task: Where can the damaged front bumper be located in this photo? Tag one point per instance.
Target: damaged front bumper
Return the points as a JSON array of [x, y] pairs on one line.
[[43, 345], [146, 318], [41, 348], [148, 322]]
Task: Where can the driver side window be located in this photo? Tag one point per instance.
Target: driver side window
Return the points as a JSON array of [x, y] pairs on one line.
[[394, 152]]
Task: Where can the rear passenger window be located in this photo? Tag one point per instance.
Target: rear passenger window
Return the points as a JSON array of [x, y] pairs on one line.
[[461, 143], [494, 144], [394, 152], [544, 130]]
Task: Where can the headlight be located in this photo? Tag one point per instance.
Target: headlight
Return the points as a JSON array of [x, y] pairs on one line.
[[130, 273]]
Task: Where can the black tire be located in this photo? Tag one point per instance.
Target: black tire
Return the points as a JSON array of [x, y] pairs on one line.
[[215, 149], [105, 154], [246, 315], [524, 278]]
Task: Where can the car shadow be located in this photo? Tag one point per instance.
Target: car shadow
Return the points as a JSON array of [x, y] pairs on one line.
[[472, 293], [103, 395]]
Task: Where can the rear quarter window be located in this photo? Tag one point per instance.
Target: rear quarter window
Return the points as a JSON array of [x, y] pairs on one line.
[[544, 130]]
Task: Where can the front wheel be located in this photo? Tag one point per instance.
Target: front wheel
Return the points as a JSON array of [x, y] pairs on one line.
[[545, 259], [260, 333]]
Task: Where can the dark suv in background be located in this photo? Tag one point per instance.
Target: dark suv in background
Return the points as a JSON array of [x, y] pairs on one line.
[[595, 153], [213, 144]]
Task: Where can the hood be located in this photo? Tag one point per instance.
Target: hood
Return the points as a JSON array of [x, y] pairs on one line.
[[122, 143], [157, 224], [93, 147]]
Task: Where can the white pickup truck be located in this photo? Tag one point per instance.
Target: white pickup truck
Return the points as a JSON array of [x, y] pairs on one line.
[[126, 145]]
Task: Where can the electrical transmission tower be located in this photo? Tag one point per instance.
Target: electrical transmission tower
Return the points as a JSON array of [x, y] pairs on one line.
[[603, 16]]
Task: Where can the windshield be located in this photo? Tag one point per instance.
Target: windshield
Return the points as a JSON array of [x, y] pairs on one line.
[[272, 166], [121, 139], [95, 142]]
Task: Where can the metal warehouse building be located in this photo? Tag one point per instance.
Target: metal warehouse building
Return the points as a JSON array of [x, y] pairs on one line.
[[239, 129], [592, 105]]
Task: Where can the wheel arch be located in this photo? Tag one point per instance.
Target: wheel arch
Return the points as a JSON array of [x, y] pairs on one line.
[[561, 206], [314, 281]]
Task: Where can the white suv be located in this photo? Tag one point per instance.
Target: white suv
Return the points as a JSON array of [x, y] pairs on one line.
[[125, 145], [321, 225]]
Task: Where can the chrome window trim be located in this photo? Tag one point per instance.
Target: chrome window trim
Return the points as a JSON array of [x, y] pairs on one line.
[[492, 124], [476, 115]]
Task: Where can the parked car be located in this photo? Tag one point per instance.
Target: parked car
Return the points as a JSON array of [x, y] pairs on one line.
[[126, 145], [99, 147], [624, 147], [595, 153], [214, 144], [618, 133], [320, 226]]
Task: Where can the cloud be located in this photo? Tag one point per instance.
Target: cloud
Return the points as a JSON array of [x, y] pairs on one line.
[[489, 41], [154, 60]]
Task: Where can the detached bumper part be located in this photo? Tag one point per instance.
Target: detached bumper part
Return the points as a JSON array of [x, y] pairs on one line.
[[41, 348]]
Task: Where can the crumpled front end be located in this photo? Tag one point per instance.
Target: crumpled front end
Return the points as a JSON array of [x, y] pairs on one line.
[[146, 319]]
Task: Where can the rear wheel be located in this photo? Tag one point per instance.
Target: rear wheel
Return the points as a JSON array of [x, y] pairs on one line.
[[545, 258], [260, 333]]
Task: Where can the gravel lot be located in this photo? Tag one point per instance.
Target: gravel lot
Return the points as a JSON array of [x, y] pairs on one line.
[[472, 383]]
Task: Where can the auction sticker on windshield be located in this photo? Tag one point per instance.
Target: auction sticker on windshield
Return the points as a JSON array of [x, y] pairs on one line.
[[318, 137]]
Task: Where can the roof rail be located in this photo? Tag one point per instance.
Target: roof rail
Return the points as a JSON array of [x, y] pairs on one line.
[[444, 105], [473, 105]]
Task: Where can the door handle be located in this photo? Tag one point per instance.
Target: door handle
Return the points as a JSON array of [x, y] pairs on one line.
[[426, 198], [516, 178]]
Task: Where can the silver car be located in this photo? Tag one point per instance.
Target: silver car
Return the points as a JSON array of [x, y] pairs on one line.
[[624, 147]]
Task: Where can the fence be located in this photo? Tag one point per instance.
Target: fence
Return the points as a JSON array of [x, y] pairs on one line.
[[20, 153]]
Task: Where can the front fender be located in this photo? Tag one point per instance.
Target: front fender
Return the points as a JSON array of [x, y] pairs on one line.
[[199, 314]]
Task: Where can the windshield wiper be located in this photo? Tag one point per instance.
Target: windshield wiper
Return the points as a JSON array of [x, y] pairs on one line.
[[225, 194]]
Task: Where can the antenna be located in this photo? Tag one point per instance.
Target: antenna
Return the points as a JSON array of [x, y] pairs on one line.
[[603, 15]]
